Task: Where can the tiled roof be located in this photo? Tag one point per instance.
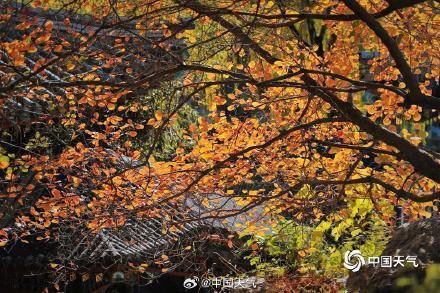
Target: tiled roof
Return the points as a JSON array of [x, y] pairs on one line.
[[139, 52], [137, 239]]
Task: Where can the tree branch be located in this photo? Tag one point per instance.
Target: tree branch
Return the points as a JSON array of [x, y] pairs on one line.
[[399, 192], [356, 147], [415, 95], [423, 162]]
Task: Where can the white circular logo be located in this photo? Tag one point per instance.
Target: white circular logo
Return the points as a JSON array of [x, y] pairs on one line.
[[190, 283], [353, 260]]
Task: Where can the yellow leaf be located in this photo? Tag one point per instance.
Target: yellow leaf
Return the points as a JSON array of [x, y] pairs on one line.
[[256, 104], [4, 162], [253, 192], [76, 181], [192, 39], [70, 66], [356, 232], [117, 181]]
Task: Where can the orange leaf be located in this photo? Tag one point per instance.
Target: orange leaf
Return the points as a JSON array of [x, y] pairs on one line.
[[159, 115], [48, 25], [56, 193]]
